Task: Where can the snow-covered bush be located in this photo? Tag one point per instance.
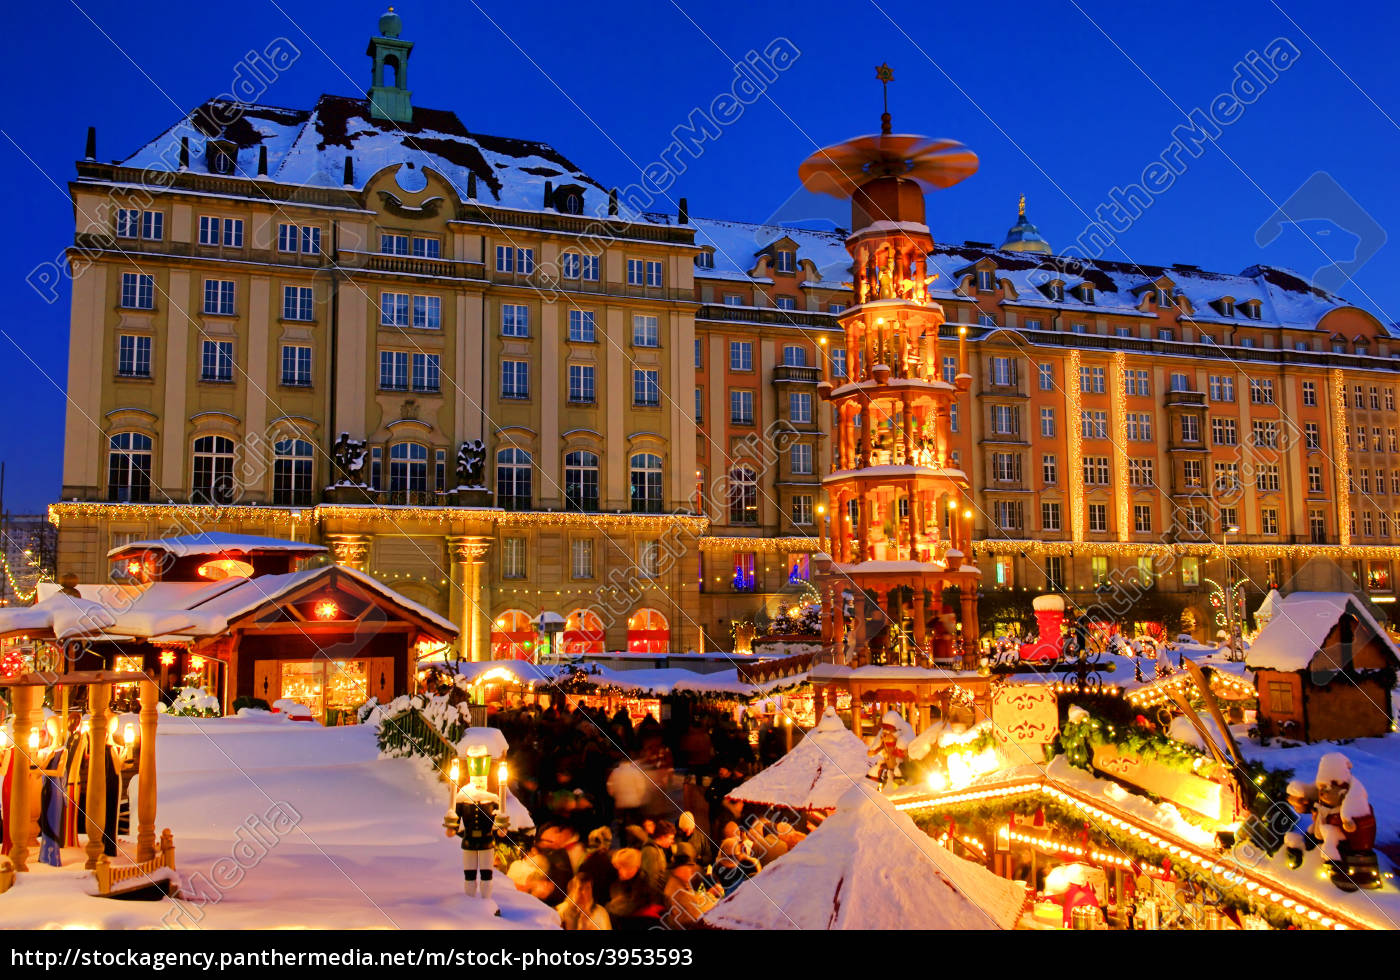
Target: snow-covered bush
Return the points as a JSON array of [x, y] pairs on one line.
[[194, 702]]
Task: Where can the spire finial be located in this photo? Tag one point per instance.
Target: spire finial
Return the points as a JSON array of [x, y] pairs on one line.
[[1021, 208], [886, 75]]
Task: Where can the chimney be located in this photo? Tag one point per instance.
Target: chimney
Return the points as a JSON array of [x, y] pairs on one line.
[[91, 152], [471, 185], [349, 172], [683, 212], [548, 194], [262, 160], [612, 203], [184, 153]]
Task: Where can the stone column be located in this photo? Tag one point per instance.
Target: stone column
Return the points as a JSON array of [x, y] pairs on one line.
[[146, 785], [98, 696], [23, 785], [350, 550], [468, 572]]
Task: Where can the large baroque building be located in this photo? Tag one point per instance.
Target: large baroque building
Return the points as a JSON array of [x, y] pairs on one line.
[[305, 322]]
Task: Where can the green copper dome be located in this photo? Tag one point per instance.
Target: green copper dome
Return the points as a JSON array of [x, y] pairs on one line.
[[1024, 236], [390, 24]]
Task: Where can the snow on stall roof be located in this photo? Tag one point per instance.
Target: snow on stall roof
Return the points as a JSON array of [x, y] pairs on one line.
[[815, 774], [65, 615], [868, 866], [309, 147], [1299, 627], [215, 543]]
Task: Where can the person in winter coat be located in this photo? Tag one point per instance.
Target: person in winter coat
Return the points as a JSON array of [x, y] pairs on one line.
[[630, 904], [734, 867], [656, 857], [630, 788], [688, 833], [579, 911], [687, 897], [597, 865]]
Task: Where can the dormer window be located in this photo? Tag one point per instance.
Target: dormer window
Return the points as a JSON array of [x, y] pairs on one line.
[[1227, 307], [786, 261], [1339, 346], [705, 260], [1164, 298], [1086, 294], [986, 280], [1359, 346], [1252, 309], [1057, 292]]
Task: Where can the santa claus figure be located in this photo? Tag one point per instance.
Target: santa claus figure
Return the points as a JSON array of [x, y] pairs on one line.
[[889, 748], [477, 821], [1345, 825]]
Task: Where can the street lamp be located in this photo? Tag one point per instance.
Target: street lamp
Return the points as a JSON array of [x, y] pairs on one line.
[[1231, 626]]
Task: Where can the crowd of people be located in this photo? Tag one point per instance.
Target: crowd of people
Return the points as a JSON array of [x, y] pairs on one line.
[[632, 827]]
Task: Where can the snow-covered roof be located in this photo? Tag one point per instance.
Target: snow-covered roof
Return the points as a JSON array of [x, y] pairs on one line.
[[309, 148], [216, 543], [1299, 627], [737, 244], [868, 866], [815, 774]]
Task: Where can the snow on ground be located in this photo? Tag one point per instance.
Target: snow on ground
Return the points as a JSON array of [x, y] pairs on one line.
[[283, 824]]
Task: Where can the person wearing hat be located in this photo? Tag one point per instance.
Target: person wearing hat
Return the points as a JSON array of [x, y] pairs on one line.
[[687, 897], [688, 833], [598, 862]]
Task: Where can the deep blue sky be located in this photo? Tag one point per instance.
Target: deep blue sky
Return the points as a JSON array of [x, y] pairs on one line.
[[1049, 103]]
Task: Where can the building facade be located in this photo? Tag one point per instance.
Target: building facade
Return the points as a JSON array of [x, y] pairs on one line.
[[473, 372]]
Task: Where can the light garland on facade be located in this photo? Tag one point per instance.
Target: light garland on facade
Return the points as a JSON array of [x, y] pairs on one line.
[[196, 514], [1201, 549], [1161, 690], [761, 545], [1341, 452], [1257, 887], [1075, 461], [1122, 496]]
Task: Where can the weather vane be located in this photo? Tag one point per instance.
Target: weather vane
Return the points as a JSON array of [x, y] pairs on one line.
[[886, 75]]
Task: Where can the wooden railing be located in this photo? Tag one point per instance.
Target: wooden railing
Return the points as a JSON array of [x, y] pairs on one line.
[[409, 733], [109, 876]]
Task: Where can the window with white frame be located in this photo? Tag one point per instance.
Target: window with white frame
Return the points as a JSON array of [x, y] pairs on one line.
[[741, 355], [786, 260], [1047, 422], [582, 327], [589, 268], [1261, 391], [1223, 432], [515, 379], [1094, 425], [1050, 516], [133, 356], [1096, 471], [646, 483], [515, 320], [427, 312], [800, 406], [218, 296], [298, 303], [1222, 388], [654, 273], [581, 558], [129, 467], [394, 309], [645, 332], [213, 471], [581, 480], [1049, 469], [408, 467], [216, 361], [1140, 472], [513, 558], [802, 509], [800, 459], [513, 479], [741, 406], [296, 365], [1046, 371], [292, 238], [293, 467], [392, 244], [1098, 520], [646, 387], [636, 272], [794, 355], [785, 303], [581, 384]]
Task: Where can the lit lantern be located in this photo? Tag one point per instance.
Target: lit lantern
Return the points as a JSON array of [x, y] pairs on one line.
[[4, 739], [478, 763], [129, 734], [111, 727], [12, 664], [167, 657], [133, 568], [34, 740], [196, 663], [326, 609]]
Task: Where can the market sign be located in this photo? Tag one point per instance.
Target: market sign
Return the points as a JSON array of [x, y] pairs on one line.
[[1204, 796], [1025, 719]]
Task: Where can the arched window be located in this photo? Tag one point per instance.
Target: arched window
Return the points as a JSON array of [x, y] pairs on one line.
[[743, 495], [646, 483], [581, 480], [408, 467], [513, 479], [129, 467], [648, 632], [513, 636], [213, 470], [293, 464], [583, 633]]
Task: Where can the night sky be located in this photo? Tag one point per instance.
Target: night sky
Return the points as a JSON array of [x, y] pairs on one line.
[[1062, 101]]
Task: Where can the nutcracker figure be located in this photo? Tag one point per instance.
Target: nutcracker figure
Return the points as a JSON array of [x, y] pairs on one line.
[[476, 818]]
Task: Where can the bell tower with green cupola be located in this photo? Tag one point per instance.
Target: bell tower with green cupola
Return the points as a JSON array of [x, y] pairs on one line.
[[389, 97]]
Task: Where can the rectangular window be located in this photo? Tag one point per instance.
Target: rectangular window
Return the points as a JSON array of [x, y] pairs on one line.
[[635, 272], [1266, 477], [153, 225], [1006, 467], [786, 261], [581, 390], [505, 258], [1227, 477], [1142, 518], [741, 407], [590, 268], [1190, 572], [1191, 473], [393, 244], [646, 388], [645, 332], [1047, 376], [569, 265], [1135, 383], [1006, 420], [513, 558], [138, 291], [426, 373], [1050, 516], [1098, 522], [1140, 472], [1096, 471], [581, 558], [950, 369], [800, 459], [515, 320], [1265, 434], [128, 223], [427, 248], [1007, 514], [653, 273], [1314, 479], [218, 296], [1047, 423], [393, 370], [298, 238], [740, 355], [1312, 438], [802, 509], [515, 379], [1268, 520], [1094, 425], [785, 303], [1190, 428], [296, 365], [1223, 432], [427, 312], [210, 230], [233, 233], [699, 404], [216, 361], [133, 356], [1004, 371], [800, 406], [1049, 469], [1261, 391], [297, 303], [1222, 388], [582, 327], [393, 309], [838, 362]]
